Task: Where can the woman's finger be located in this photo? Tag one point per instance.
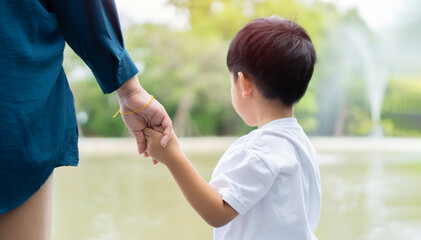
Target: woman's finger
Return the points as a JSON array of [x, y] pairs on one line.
[[140, 140], [167, 125]]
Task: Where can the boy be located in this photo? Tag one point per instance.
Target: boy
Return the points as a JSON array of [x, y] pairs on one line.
[[267, 184]]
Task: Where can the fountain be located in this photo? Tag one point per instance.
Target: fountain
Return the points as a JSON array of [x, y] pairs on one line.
[[376, 79], [353, 56]]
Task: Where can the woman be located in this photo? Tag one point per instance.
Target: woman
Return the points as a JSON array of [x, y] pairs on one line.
[[38, 130]]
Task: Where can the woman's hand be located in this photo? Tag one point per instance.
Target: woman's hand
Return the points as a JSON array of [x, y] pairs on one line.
[[132, 96]]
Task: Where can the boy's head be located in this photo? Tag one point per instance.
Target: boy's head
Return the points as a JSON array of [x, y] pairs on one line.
[[276, 55]]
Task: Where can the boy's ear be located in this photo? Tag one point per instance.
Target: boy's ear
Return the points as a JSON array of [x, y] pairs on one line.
[[245, 85]]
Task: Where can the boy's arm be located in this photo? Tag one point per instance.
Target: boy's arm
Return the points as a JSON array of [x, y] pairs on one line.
[[204, 199]]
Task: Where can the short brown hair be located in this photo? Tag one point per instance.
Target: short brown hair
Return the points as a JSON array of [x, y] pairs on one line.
[[277, 55]]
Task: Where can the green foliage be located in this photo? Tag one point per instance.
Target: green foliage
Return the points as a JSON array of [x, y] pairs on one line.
[[100, 109], [401, 111], [180, 66], [306, 110], [186, 71]]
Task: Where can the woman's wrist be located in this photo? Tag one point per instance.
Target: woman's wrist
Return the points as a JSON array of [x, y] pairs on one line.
[[130, 87], [131, 91]]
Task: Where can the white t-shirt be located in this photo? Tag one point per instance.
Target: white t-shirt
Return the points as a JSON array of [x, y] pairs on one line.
[[271, 178]]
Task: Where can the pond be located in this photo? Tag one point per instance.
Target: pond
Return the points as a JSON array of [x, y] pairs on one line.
[[115, 194]]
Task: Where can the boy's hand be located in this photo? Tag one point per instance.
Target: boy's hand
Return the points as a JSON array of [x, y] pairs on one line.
[[154, 148]]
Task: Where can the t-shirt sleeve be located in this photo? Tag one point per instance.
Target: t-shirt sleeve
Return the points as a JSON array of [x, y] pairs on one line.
[[245, 182], [92, 29]]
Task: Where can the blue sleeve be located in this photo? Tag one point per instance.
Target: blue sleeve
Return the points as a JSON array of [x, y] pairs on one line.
[[92, 30]]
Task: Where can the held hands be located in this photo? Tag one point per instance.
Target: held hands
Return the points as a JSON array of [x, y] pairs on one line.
[[156, 151], [201, 196], [132, 96]]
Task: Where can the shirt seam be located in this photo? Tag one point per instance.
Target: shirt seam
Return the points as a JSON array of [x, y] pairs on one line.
[[248, 147], [264, 163]]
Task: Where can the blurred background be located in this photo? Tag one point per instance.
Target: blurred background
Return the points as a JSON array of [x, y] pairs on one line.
[[362, 111], [368, 71]]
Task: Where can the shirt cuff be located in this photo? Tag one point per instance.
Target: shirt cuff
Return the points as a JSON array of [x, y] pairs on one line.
[[124, 70], [234, 202]]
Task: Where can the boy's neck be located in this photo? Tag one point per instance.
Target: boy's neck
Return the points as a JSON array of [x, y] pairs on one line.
[[268, 110]]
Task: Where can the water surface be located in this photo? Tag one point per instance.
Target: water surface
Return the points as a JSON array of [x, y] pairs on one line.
[[120, 196]]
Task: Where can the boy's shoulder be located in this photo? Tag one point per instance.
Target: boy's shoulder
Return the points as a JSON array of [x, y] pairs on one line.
[[274, 143], [274, 135]]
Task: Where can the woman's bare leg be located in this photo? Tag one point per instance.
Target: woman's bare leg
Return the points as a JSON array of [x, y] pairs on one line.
[[32, 219]]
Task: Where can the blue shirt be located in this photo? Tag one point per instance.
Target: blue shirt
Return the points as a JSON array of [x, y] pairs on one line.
[[38, 129]]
